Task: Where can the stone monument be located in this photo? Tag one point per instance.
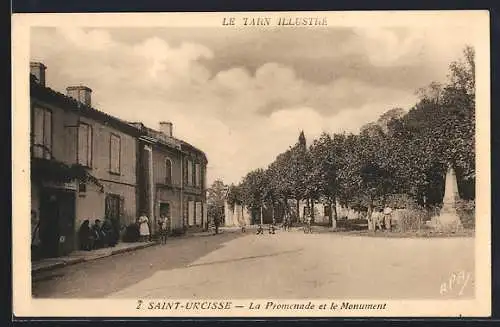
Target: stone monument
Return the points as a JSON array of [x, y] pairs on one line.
[[448, 217]]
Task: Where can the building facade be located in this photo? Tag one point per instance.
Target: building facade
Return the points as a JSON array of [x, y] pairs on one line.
[[194, 186], [88, 165], [83, 164], [174, 184]]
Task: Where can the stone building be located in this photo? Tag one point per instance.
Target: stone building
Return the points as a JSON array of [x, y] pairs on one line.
[[83, 164], [194, 186], [172, 178], [86, 164]]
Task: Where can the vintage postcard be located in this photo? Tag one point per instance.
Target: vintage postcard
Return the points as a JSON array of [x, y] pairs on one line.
[[272, 164]]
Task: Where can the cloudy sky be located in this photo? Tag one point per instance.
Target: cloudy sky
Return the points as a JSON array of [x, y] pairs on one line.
[[243, 95]]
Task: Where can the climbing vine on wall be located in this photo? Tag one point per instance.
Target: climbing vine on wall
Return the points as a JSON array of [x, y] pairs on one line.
[[49, 170]]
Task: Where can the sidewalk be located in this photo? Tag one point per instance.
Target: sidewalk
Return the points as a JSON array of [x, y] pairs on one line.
[[82, 256]]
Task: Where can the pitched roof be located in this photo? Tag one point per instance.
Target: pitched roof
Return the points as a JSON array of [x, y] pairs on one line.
[[60, 100], [169, 141]]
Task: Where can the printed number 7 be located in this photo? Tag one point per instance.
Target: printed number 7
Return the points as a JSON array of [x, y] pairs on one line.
[[139, 302]]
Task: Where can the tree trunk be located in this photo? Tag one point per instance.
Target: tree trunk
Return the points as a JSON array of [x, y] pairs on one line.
[[335, 214], [272, 208], [286, 209], [298, 210], [312, 210], [330, 217], [262, 213], [369, 216]]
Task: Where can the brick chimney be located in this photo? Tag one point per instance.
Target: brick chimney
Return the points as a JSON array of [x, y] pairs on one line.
[[80, 93], [166, 128], [38, 70]]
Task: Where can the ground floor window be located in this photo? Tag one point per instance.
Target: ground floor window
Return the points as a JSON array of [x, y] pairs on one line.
[[114, 207], [191, 216], [198, 213]]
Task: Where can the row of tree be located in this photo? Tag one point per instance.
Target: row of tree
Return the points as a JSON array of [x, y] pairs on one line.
[[401, 155]]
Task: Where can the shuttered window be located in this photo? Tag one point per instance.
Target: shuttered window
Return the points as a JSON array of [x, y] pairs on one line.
[[85, 145], [114, 153], [191, 217], [198, 175], [42, 133], [168, 171], [198, 213], [190, 172]]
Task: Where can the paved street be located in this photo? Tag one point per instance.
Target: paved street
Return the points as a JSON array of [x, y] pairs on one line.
[[285, 265]]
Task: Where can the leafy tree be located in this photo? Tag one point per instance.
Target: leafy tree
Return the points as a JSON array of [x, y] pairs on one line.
[[400, 153], [323, 173], [216, 195], [254, 190]]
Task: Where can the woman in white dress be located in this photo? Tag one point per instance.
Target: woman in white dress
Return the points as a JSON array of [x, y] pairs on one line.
[[143, 227]]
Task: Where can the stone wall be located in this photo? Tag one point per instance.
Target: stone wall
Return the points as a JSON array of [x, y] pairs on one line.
[[236, 216]]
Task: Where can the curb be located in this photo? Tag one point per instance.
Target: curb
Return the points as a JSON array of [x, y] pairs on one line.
[[143, 246], [58, 265], [80, 260]]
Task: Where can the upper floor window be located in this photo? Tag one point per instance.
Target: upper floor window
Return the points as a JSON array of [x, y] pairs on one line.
[[85, 144], [190, 172], [193, 179], [203, 176], [198, 175], [42, 133], [114, 153], [168, 171]]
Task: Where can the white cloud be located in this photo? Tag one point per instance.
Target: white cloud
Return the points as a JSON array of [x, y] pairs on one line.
[[241, 119]]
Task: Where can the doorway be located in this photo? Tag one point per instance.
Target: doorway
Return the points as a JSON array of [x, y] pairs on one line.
[[165, 211], [57, 222]]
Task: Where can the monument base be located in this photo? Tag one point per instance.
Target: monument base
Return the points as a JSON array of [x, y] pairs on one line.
[[448, 220]]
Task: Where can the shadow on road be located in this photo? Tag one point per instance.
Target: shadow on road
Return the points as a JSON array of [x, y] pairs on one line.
[[98, 278], [244, 258]]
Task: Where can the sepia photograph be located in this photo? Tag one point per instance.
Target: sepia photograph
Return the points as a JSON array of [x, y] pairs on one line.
[[315, 163]]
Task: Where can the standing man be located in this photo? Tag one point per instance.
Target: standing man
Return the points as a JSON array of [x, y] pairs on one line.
[[164, 224], [217, 223], [98, 234]]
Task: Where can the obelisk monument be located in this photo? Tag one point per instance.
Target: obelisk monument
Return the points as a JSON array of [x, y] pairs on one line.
[[448, 216]]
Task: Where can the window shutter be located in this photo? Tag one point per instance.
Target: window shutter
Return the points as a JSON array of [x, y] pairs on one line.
[[38, 139], [193, 173], [47, 134]]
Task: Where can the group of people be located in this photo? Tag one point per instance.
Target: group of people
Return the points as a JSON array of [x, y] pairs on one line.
[[260, 229], [382, 219], [98, 235], [102, 234], [144, 230], [287, 221], [214, 225]]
